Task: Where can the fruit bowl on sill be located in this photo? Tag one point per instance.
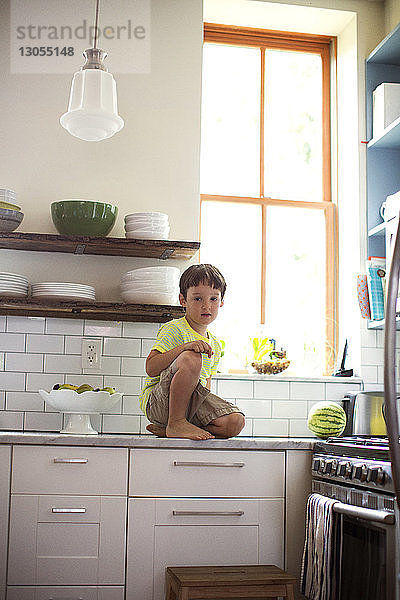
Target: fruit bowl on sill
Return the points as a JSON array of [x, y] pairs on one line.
[[78, 407], [271, 367]]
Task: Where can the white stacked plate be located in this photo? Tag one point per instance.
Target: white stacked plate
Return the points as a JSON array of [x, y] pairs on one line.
[[55, 291], [147, 225], [13, 285], [151, 285]]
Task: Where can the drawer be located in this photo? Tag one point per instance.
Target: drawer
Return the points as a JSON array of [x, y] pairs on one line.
[[69, 470], [207, 473], [64, 593], [84, 544]]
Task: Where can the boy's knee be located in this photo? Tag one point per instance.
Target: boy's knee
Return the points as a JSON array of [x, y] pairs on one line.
[[232, 424], [190, 361]]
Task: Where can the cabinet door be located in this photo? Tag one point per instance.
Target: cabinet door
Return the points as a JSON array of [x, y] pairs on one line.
[[171, 532], [56, 540], [5, 458]]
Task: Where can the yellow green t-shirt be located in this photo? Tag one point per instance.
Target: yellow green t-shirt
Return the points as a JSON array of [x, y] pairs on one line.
[[175, 333]]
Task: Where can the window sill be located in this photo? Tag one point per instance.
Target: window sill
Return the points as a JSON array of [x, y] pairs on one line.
[[286, 378]]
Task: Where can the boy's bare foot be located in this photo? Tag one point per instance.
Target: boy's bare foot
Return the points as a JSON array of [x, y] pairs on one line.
[[184, 429], [156, 430]]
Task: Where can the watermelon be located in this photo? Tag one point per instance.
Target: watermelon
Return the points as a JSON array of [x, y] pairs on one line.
[[326, 419]]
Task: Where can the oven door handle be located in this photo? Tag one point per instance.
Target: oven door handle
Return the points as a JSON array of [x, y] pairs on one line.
[[368, 514]]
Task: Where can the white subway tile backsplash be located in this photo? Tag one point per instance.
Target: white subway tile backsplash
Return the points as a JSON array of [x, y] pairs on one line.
[[131, 406], [380, 376], [26, 324], [64, 326], [369, 374], [271, 390], [2, 323], [307, 391], [133, 366], [14, 382], [289, 409], [42, 421], [41, 381], [11, 421], [102, 329], [12, 342], [17, 361], [126, 385], [110, 365], [255, 408], [247, 430], [372, 356], [121, 347], [235, 388], [115, 410], [121, 424], [140, 330], [62, 363], [270, 428], [368, 338], [147, 345], [24, 401], [2, 400], [45, 343], [298, 428], [73, 344], [380, 338], [336, 391]]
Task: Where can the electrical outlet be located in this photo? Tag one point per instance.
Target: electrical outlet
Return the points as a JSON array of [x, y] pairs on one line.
[[91, 354]]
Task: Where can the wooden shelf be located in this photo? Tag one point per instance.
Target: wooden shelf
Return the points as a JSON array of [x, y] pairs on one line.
[[108, 311], [43, 242], [381, 324], [390, 138]]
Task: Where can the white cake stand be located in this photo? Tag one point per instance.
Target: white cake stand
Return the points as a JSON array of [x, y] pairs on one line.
[[77, 408]]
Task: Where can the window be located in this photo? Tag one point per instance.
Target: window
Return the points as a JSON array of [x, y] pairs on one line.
[[267, 219]]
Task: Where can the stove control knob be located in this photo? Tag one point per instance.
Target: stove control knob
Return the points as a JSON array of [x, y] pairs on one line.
[[348, 470], [330, 467], [359, 472], [376, 475], [315, 464], [341, 470], [321, 466]]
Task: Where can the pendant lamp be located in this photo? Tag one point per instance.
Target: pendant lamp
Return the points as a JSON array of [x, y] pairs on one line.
[[92, 110]]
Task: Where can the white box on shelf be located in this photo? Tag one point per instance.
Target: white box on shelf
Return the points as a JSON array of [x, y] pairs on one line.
[[386, 106]]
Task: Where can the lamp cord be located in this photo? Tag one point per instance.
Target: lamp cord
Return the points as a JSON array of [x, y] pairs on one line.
[[96, 23]]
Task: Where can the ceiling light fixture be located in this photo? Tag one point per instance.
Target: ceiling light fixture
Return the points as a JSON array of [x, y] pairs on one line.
[[92, 110]]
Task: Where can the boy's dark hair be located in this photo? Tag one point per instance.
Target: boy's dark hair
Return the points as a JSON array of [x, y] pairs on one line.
[[206, 274]]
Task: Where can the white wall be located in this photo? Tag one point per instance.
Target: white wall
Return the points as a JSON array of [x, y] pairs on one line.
[[152, 164]]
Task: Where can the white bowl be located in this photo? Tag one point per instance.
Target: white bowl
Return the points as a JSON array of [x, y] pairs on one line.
[[136, 235], [150, 227], [147, 215], [90, 402], [132, 297]]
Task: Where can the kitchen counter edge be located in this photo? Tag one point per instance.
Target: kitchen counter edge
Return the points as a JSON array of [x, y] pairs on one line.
[[146, 441]]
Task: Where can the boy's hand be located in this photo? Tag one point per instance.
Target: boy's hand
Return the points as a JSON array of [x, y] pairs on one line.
[[200, 347]]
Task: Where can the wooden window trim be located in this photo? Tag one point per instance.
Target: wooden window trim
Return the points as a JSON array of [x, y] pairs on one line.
[[324, 46]]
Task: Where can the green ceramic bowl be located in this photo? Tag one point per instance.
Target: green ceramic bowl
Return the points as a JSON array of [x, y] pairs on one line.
[[83, 217]]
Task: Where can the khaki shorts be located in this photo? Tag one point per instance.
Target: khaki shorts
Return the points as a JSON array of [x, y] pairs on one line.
[[203, 407]]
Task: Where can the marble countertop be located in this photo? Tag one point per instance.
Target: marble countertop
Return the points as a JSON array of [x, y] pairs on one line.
[[148, 441]]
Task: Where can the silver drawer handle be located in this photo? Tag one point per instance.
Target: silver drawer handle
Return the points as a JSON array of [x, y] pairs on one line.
[[206, 513], [68, 510], [66, 598], [178, 463], [80, 461]]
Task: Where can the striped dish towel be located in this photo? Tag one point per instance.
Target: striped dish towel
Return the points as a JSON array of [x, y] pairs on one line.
[[319, 578]]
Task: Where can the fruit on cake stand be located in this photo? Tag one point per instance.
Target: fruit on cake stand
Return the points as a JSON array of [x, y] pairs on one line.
[[78, 403]]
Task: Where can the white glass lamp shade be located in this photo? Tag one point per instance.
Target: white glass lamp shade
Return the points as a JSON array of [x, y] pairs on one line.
[[92, 111]]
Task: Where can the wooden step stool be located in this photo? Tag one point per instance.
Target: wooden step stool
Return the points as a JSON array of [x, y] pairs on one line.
[[255, 581]]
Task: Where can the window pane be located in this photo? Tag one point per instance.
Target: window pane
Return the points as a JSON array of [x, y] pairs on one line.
[[295, 286], [293, 125], [230, 135], [231, 240]]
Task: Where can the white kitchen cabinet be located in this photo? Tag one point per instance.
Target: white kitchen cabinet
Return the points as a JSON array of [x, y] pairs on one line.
[[225, 507], [65, 593], [5, 463], [67, 520]]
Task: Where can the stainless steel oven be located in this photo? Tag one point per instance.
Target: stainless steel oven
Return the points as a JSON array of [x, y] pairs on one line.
[[358, 476]]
